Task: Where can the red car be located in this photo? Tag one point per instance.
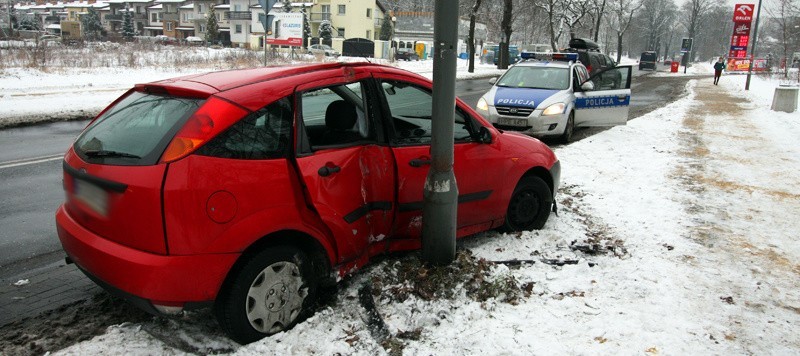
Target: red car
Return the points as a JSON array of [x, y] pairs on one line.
[[248, 189]]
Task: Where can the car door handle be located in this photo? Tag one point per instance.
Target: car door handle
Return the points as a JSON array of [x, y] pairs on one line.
[[419, 162], [622, 97], [328, 169]]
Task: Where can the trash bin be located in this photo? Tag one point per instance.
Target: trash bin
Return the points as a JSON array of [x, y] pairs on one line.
[[785, 98], [674, 66]]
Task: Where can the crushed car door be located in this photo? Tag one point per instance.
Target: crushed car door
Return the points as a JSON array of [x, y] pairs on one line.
[[348, 175], [608, 102], [408, 119]]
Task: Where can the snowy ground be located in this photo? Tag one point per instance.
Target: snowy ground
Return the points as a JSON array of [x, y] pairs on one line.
[[677, 234]]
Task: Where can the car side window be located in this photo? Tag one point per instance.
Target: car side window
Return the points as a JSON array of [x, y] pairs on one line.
[[410, 107], [263, 134], [581, 75], [336, 115]]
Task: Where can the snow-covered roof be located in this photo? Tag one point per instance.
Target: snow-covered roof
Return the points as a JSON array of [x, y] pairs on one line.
[[223, 6], [188, 6], [53, 26], [169, 1], [128, 1], [156, 7]]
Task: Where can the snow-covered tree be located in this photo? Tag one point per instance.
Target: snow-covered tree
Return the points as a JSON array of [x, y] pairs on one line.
[[386, 28], [30, 23], [212, 27], [92, 27], [287, 6], [326, 32], [127, 25]]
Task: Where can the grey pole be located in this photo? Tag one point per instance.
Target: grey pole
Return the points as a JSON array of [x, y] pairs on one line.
[[753, 53], [440, 194]]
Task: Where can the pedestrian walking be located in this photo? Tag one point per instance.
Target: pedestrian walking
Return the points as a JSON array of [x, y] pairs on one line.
[[718, 67]]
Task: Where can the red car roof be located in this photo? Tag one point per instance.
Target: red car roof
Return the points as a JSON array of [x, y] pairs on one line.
[[211, 83]]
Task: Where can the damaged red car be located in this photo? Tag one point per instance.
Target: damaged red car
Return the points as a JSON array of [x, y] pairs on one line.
[[246, 190]]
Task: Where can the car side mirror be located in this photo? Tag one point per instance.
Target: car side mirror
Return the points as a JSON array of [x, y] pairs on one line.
[[587, 86], [493, 80], [484, 135]]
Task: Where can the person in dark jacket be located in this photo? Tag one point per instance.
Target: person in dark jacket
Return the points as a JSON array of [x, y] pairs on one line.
[[718, 67]]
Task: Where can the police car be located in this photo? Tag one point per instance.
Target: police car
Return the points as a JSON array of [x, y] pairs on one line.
[[550, 94]]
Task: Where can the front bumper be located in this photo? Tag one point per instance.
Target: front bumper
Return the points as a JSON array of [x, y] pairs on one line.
[[535, 124], [137, 275]]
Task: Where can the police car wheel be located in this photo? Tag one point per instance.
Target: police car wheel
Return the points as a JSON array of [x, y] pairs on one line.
[[566, 137], [530, 205]]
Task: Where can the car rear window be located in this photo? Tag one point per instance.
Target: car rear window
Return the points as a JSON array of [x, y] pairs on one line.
[[136, 130]]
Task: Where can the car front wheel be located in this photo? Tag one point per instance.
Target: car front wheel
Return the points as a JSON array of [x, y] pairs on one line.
[[530, 205], [566, 137], [270, 292]]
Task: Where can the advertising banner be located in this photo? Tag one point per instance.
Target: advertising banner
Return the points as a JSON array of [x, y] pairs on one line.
[[287, 29], [742, 64]]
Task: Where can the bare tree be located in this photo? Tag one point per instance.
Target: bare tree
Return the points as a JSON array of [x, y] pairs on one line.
[[619, 20], [554, 11], [597, 14], [471, 37], [786, 16], [506, 29], [694, 11], [574, 12]]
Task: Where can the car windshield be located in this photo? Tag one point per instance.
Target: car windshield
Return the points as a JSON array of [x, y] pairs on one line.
[[535, 78]]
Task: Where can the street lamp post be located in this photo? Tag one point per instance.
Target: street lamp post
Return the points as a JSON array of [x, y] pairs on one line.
[[392, 41], [753, 52]]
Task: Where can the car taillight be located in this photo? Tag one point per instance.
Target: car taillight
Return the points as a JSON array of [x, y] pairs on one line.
[[213, 117]]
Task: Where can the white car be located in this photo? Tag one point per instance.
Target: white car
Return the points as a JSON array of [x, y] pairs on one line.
[[550, 94], [325, 50]]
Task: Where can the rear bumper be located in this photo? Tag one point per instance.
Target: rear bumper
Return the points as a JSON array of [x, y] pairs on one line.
[[139, 275]]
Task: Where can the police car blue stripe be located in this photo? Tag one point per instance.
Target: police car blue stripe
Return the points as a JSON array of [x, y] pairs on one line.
[[602, 102], [521, 97]]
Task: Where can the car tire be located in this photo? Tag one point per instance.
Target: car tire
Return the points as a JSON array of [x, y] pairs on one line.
[[566, 137], [267, 293], [529, 207]]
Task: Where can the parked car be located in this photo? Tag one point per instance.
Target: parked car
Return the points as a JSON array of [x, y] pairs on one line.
[[166, 40], [551, 94], [50, 39], [194, 41], [323, 49], [248, 189], [648, 60], [590, 56], [406, 54]]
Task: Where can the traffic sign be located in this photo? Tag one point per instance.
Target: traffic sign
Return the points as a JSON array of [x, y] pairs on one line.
[[743, 13], [686, 45]]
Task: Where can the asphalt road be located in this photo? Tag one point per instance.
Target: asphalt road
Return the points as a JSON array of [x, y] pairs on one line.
[[30, 167]]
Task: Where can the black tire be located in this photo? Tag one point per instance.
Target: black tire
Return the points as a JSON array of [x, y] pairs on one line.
[[282, 278], [529, 206], [566, 137]]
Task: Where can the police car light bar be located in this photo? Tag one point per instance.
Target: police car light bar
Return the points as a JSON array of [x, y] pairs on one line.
[[566, 57]]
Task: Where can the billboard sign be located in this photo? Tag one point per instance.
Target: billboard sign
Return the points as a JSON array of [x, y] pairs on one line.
[[743, 64], [287, 29], [743, 13], [686, 45]]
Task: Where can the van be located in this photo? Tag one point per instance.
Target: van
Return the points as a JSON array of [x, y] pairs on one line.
[[647, 60]]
